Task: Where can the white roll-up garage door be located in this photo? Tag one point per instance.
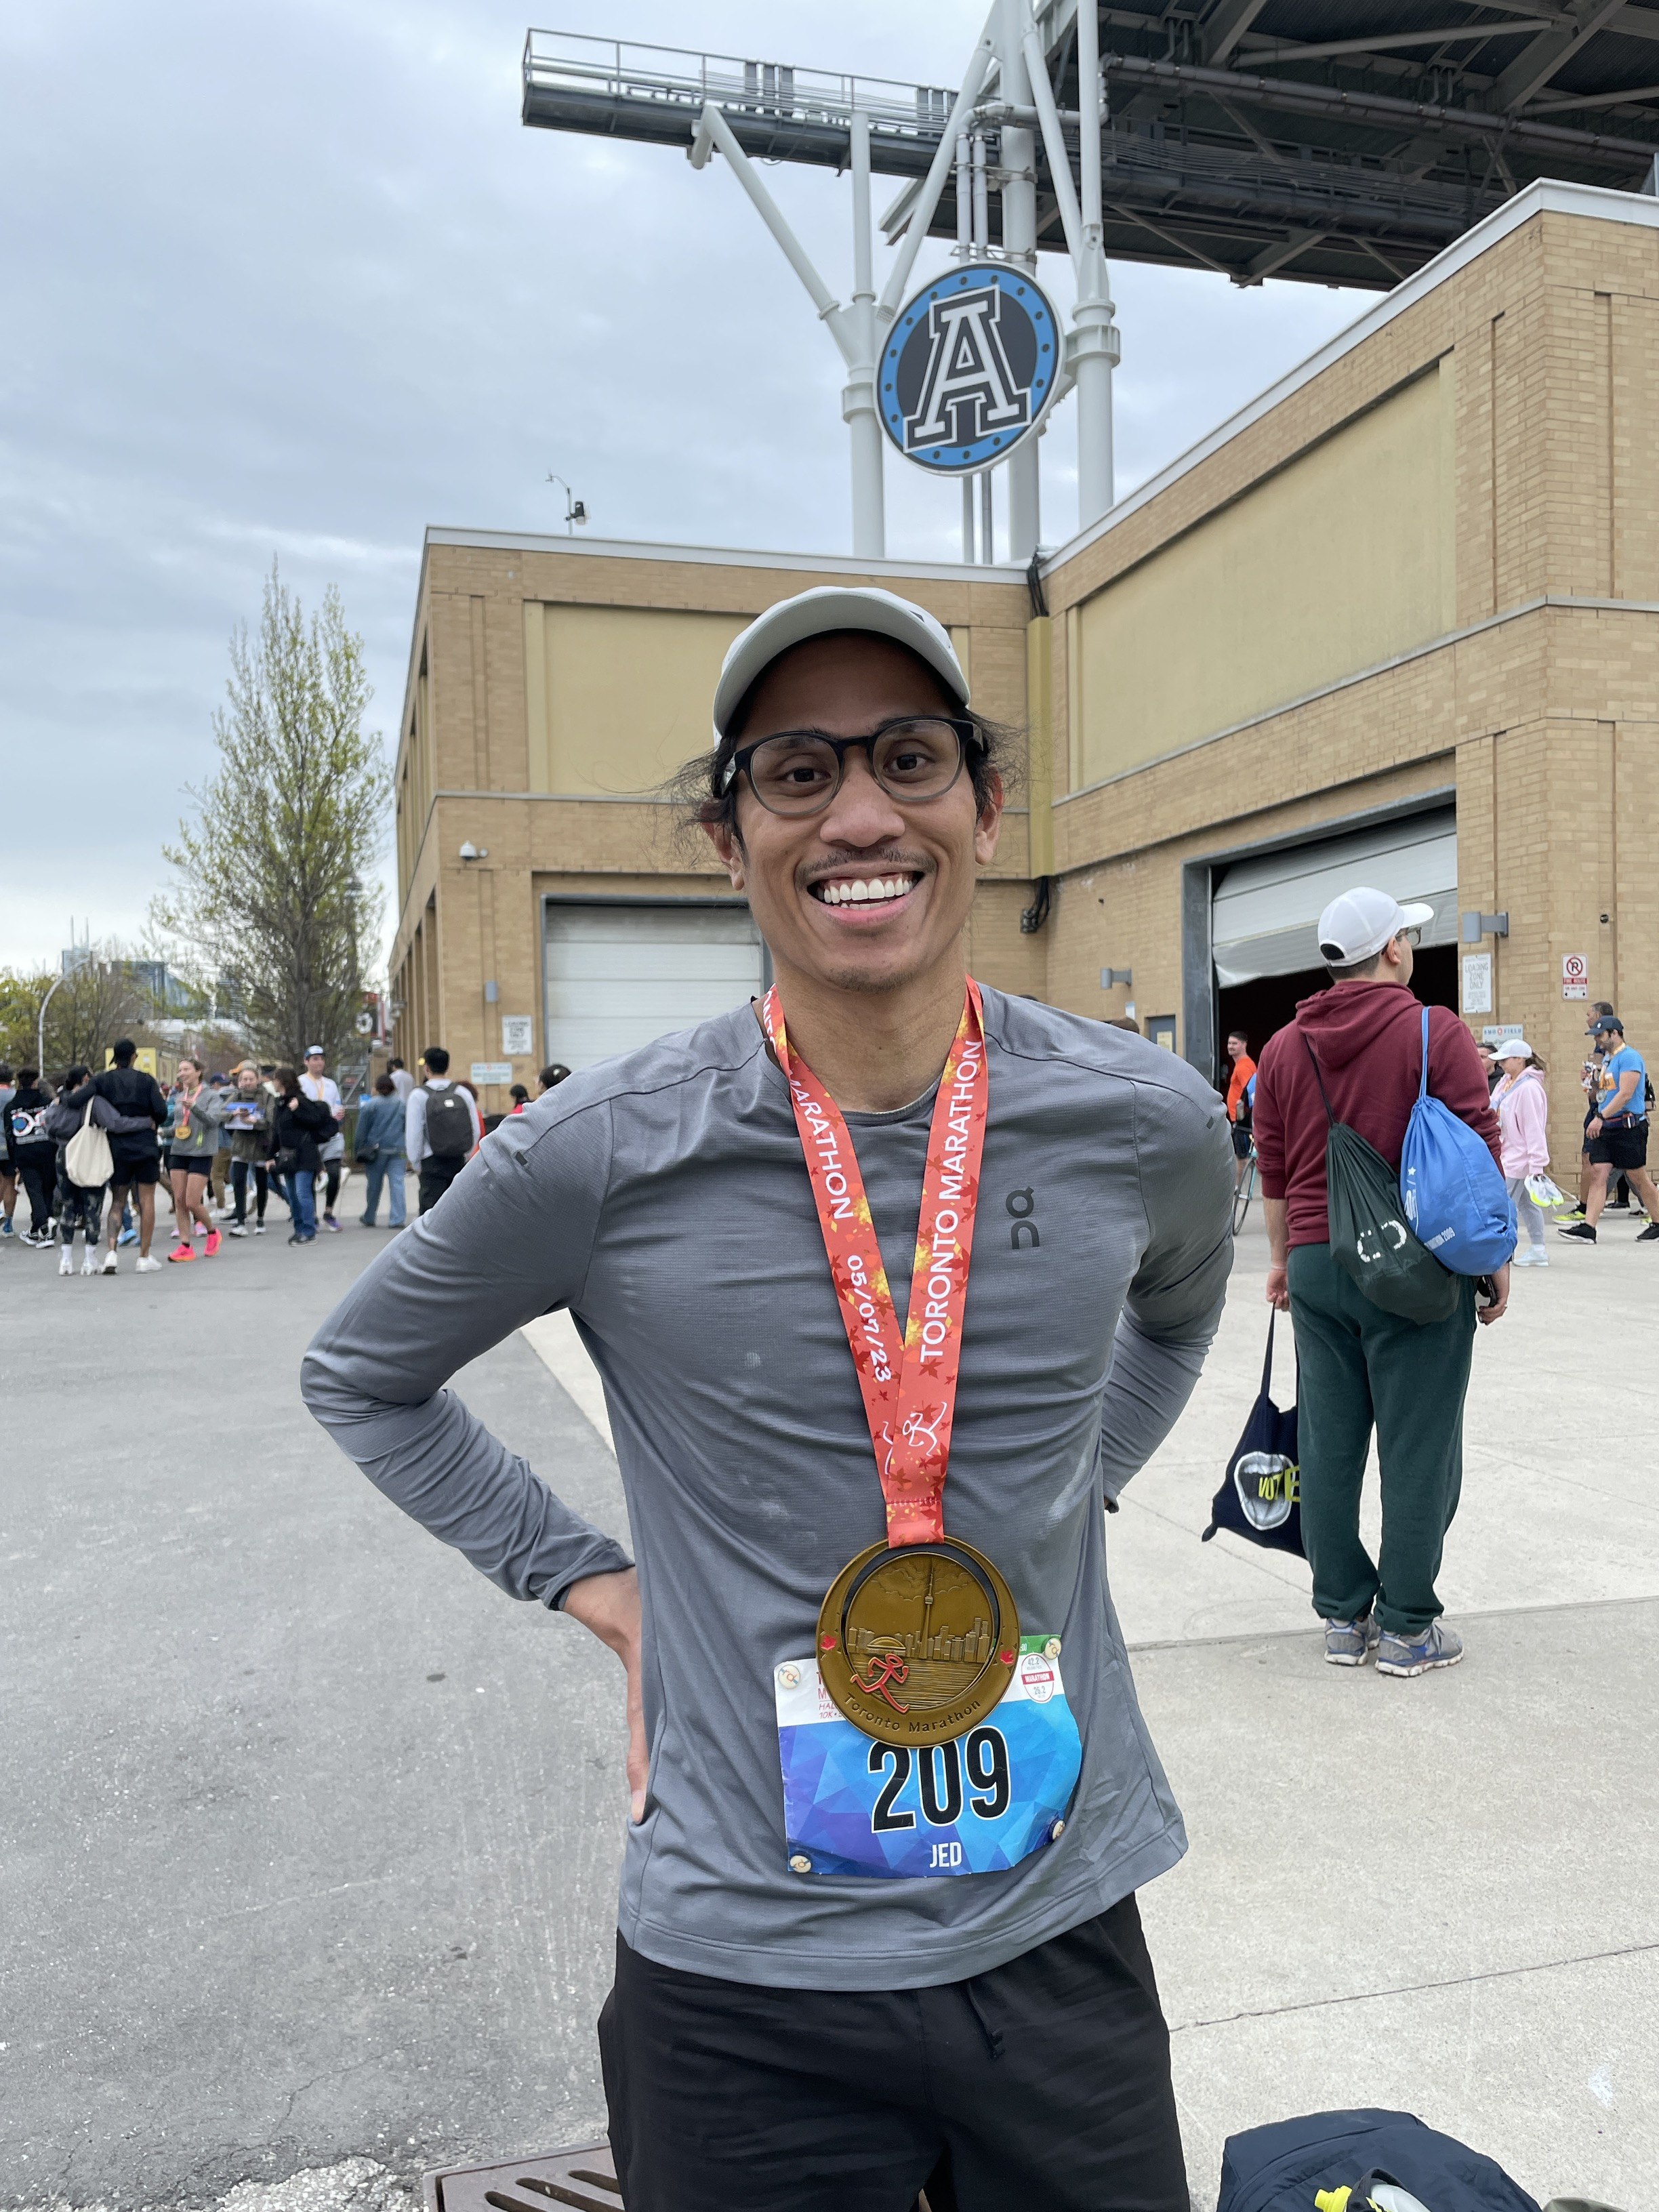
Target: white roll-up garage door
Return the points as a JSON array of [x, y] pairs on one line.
[[1265, 913], [619, 976]]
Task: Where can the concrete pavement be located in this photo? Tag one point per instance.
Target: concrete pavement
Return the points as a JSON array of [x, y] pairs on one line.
[[313, 1863], [311, 1844]]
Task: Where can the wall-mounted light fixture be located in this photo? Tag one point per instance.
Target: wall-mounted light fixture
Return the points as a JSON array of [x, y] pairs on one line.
[[492, 993], [1477, 926], [472, 852], [1111, 977]]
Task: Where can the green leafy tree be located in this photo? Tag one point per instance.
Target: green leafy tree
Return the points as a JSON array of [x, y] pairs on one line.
[[20, 1009], [270, 873]]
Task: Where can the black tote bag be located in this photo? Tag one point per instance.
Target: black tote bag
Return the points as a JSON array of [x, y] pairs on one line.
[[1261, 1496], [1370, 1239]]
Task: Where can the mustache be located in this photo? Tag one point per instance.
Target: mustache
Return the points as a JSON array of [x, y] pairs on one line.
[[915, 863]]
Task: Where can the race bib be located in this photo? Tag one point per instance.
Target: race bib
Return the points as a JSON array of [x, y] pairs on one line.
[[976, 1805]]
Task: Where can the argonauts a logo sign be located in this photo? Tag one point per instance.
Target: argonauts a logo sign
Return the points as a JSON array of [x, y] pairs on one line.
[[969, 369]]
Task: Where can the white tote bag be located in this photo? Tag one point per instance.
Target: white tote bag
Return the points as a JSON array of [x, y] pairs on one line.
[[88, 1156]]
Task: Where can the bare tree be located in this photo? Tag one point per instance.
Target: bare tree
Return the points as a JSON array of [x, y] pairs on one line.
[[269, 896], [106, 995]]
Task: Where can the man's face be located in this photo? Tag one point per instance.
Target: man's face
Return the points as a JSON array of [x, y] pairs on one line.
[[246, 1081], [1236, 1047], [846, 686], [314, 1063]]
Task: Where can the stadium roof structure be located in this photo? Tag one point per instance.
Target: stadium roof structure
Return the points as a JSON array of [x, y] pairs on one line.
[[1335, 142]]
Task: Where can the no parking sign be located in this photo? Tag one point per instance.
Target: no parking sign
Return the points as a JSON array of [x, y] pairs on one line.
[[1575, 975]]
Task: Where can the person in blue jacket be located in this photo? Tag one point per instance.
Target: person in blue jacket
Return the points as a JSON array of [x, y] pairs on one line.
[[379, 1151]]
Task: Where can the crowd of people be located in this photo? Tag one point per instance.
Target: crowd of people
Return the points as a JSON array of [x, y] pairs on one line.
[[89, 1151]]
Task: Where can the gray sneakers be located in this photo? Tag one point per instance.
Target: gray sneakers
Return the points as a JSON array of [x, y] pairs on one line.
[[1350, 1642], [1434, 1646]]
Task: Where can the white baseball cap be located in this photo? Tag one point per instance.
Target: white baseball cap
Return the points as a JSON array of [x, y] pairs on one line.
[[1513, 1048], [831, 607], [1361, 923], [315, 1052]]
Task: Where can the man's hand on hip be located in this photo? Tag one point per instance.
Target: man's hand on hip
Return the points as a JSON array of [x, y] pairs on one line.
[[610, 1606]]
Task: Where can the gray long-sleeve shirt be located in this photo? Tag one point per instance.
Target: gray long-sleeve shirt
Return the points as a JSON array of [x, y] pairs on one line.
[[664, 1199]]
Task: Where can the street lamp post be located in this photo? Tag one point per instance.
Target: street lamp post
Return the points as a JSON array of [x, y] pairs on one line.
[[40, 1029]]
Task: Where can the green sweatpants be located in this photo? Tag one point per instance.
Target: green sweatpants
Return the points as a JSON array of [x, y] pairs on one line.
[[1361, 1366]]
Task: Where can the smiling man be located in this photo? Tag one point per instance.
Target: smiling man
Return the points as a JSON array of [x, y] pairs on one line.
[[893, 1281]]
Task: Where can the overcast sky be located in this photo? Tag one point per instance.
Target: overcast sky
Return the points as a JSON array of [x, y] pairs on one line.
[[293, 279]]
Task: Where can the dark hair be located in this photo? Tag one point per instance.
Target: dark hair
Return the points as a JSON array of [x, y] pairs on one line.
[[1367, 966], [1602, 1006], [556, 1071], [394, 1062], [285, 1079], [436, 1059], [1243, 1036], [519, 1093], [384, 1085], [26, 1075], [71, 1076], [121, 1051], [5, 1073]]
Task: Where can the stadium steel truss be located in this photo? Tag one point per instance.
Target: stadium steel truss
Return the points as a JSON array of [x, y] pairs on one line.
[[1335, 141]]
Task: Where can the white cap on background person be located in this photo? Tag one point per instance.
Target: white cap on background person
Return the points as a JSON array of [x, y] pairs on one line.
[[814, 614], [1357, 925], [1513, 1048], [315, 1052]]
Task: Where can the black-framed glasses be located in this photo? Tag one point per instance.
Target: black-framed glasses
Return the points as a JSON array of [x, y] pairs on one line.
[[912, 756]]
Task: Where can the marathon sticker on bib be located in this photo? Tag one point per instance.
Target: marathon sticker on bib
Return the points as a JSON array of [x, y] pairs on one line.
[[977, 1804]]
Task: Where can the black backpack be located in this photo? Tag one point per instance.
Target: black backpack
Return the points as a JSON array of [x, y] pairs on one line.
[[448, 1124], [1370, 1239]]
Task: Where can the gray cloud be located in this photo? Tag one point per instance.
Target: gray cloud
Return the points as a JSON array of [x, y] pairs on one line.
[[294, 282]]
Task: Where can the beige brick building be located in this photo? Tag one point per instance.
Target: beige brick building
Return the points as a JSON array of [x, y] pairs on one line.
[[1396, 621]]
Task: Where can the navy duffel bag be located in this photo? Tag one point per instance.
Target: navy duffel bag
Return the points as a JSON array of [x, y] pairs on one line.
[[1286, 2166]]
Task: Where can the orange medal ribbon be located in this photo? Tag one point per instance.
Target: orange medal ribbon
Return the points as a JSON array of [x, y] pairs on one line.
[[908, 1381]]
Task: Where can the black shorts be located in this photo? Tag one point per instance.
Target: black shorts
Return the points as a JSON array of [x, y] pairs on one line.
[[1044, 2082], [129, 1174], [1241, 1143], [1621, 1148], [190, 1163]]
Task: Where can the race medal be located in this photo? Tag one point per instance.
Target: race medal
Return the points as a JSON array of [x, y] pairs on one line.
[[918, 1638], [918, 1644]]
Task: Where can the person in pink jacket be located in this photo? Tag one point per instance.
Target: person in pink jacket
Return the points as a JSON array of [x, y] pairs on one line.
[[1524, 1109]]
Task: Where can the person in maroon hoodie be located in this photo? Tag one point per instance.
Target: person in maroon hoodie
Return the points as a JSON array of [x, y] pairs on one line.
[[1360, 1366]]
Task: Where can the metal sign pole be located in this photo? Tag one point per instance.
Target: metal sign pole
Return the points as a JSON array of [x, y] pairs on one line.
[[858, 401], [1091, 344], [1095, 347], [1018, 176]]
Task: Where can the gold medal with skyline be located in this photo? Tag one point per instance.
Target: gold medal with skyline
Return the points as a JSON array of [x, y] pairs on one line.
[[918, 1644]]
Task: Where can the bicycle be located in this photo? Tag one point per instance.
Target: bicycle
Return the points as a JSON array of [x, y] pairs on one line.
[[1243, 1192]]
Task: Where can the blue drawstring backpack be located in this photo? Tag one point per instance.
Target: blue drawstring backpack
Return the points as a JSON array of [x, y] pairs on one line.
[[1451, 1187]]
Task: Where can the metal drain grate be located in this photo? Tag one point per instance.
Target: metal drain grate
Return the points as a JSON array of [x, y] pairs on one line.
[[585, 2177]]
